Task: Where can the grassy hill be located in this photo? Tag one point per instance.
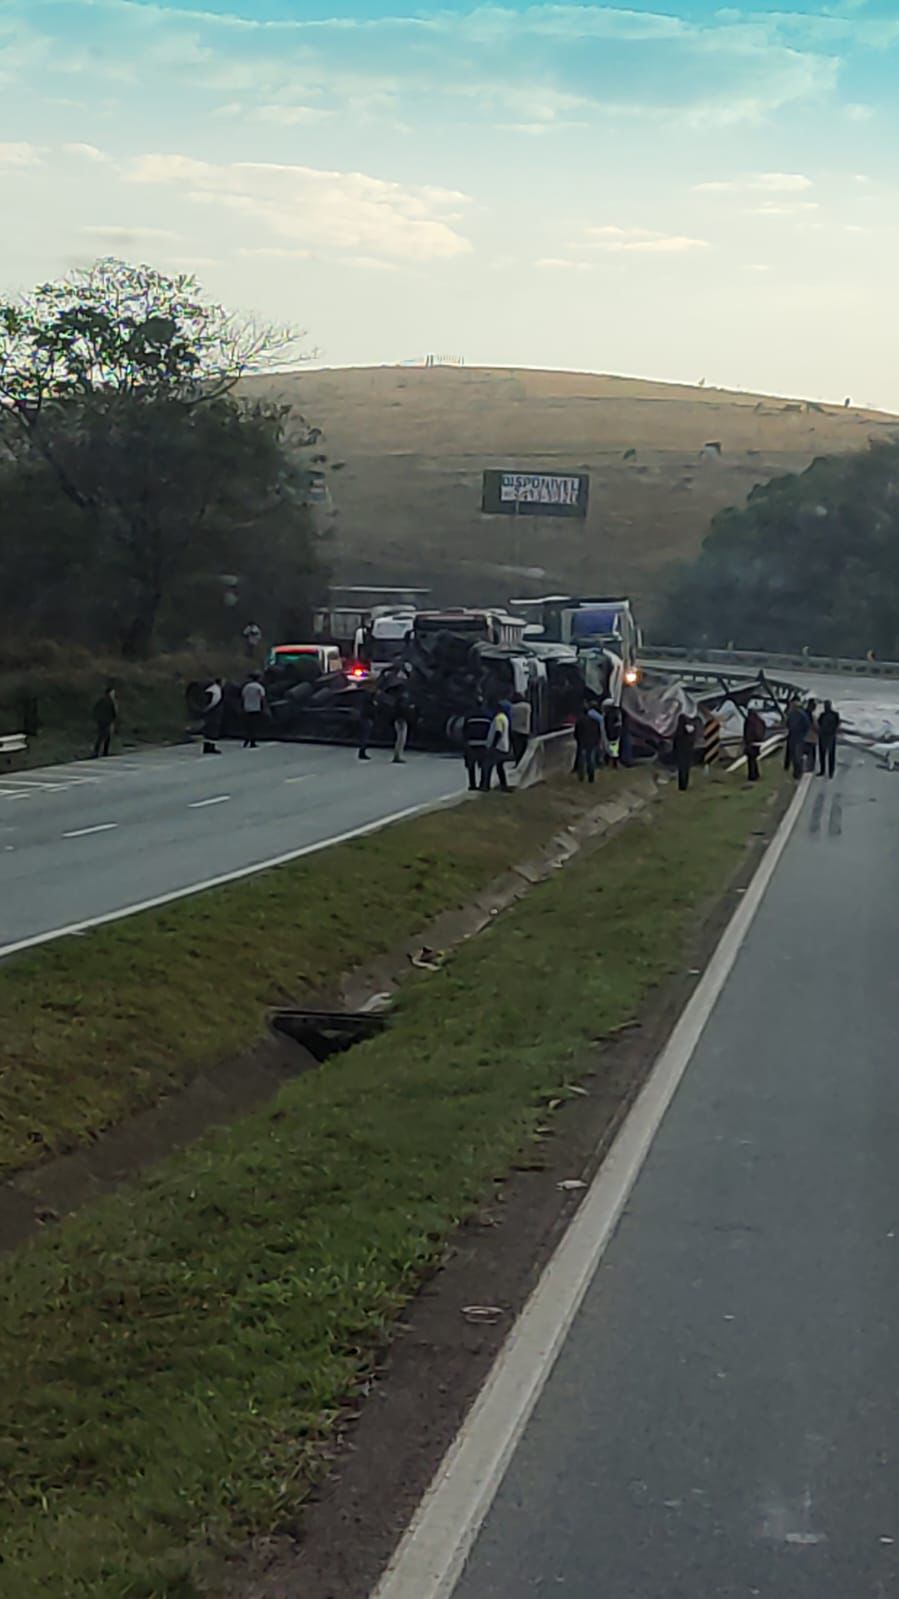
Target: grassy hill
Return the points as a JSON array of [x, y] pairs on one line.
[[414, 443]]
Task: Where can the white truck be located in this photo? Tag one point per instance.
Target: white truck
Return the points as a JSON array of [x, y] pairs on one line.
[[381, 641]]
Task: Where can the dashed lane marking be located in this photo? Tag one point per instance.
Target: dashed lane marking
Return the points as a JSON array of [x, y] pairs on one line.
[[217, 799], [84, 832]]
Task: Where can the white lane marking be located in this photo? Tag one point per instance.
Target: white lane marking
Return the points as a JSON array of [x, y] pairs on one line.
[[84, 832], [431, 1556], [303, 779], [73, 929], [30, 785], [217, 799]]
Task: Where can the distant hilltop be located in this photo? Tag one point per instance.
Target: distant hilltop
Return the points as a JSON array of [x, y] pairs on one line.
[[410, 444]]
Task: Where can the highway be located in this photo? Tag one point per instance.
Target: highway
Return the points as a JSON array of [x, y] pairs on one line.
[[90, 840], [723, 1419]]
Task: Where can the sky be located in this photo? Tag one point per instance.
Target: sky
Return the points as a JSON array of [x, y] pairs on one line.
[[674, 189]]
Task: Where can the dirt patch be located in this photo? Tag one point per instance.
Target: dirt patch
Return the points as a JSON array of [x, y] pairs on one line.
[[438, 1361]]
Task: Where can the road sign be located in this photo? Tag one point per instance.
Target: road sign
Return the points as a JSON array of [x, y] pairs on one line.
[[535, 493]]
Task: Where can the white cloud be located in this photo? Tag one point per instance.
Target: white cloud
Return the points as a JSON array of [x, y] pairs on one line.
[[730, 67], [859, 113], [558, 263], [122, 235], [761, 182], [290, 116], [368, 263], [644, 241], [87, 152], [788, 208], [273, 253], [14, 157], [338, 211]]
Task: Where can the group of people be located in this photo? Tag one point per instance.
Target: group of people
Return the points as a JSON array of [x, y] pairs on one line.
[[811, 738], [253, 704], [392, 705], [492, 736], [597, 738]]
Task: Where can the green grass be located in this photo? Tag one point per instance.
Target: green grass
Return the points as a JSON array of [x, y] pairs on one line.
[[177, 1355], [66, 684], [96, 1028]]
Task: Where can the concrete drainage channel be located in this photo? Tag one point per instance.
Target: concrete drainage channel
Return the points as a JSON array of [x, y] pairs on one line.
[[300, 1040], [323, 1033]]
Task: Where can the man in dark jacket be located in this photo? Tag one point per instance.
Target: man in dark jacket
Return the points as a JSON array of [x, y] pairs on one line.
[[588, 742], [106, 715], [366, 705], [798, 724], [754, 731], [475, 733], [213, 716], [828, 728], [683, 745]]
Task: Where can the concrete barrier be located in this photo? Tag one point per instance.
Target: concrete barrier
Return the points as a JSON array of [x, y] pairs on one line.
[[545, 755]]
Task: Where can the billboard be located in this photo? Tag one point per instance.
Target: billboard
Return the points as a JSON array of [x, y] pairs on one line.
[[535, 493]]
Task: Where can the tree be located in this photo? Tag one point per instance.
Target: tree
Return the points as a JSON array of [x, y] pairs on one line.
[[117, 388], [811, 561]]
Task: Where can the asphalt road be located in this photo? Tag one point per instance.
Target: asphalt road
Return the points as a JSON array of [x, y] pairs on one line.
[[723, 1421], [81, 841]]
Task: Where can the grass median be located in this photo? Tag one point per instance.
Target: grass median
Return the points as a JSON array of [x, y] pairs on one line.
[[97, 1028], [180, 1352]]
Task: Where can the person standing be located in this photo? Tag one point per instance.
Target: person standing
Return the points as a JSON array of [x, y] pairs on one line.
[[683, 745], [499, 744], [828, 728], [520, 727], [594, 711], [754, 731], [106, 716], [475, 732], [797, 733], [252, 638], [400, 706], [252, 700], [212, 716], [588, 739], [810, 748], [614, 723], [366, 722]]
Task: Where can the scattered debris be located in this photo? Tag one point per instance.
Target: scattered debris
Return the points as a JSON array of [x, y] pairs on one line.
[[569, 1184], [622, 1027], [483, 1315], [427, 960]]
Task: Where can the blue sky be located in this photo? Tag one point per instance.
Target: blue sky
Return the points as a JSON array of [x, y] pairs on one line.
[[671, 188]]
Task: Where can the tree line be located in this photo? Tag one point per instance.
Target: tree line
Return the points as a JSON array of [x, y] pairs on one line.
[[144, 502], [810, 563]]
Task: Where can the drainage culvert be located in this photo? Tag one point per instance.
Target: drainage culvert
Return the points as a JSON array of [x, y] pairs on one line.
[[324, 1033]]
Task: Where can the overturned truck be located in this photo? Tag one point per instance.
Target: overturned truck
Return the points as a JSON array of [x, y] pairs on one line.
[[442, 677]]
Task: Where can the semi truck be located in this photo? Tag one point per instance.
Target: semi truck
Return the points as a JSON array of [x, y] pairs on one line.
[[586, 624]]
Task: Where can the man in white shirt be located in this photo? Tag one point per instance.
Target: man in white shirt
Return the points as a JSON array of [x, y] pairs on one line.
[[252, 699], [212, 717], [499, 745]]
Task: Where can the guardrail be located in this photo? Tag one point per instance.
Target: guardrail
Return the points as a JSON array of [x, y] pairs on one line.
[[808, 663], [13, 743]]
